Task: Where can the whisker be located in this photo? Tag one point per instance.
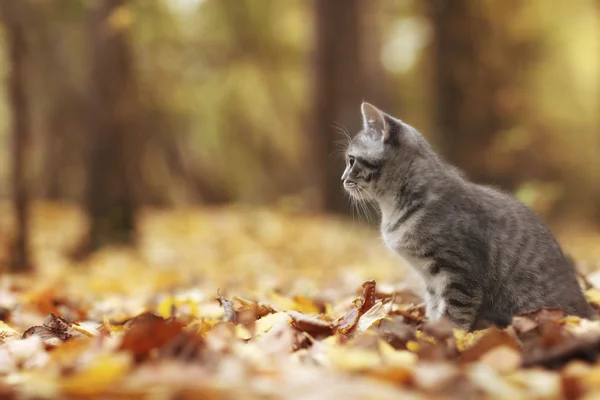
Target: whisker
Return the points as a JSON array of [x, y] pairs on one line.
[[365, 209], [368, 203], [341, 129]]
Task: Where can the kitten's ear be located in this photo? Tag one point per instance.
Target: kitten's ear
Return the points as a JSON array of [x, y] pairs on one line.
[[374, 121]]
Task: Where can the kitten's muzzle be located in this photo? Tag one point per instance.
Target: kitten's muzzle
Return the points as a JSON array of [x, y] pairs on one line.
[[348, 184]]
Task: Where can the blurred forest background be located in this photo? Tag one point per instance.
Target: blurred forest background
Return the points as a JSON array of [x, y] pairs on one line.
[[116, 105]]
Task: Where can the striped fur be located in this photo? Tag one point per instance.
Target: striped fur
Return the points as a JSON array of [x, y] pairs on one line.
[[482, 254]]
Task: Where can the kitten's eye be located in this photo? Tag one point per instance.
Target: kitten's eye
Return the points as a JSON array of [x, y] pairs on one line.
[[351, 160]]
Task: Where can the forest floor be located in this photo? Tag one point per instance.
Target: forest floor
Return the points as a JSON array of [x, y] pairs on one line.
[[239, 303]]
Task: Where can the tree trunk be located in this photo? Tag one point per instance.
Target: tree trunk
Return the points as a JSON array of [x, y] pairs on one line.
[[13, 18], [109, 197], [477, 86], [341, 84]]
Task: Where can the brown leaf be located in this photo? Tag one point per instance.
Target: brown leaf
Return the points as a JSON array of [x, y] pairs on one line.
[[395, 332], [149, 331], [368, 296], [538, 316], [312, 325], [413, 315], [440, 329], [583, 348], [435, 351], [552, 334], [348, 321], [492, 339], [260, 310], [53, 331], [187, 346], [360, 306], [523, 324]]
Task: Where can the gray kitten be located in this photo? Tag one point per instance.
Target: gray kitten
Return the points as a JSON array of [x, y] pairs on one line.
[[483, 255]]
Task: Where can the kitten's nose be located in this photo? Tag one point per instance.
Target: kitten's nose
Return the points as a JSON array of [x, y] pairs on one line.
[[344, 175]]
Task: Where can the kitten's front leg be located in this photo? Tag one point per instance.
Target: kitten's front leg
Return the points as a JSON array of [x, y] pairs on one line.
[[432, 304], [461, 302]]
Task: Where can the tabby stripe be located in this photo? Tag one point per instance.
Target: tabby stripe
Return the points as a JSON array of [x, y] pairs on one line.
[[457, 303], [452, 267], [461, 288], [368, 164], [434, 268], [416, 206], [460, 320], [372, 175]]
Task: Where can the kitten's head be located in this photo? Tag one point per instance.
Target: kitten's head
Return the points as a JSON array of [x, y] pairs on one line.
[[379, 154]]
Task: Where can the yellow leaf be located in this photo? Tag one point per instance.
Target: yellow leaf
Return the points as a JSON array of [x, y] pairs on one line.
[[420, 335], [297, 303], [242, 333], [465, 340], [593, 296], [396, 357], [353, 359], [203, 325], [412, 346], [103, 372], [112, 328], [265, 323], [82, 330], [6, 331], [166, 307]]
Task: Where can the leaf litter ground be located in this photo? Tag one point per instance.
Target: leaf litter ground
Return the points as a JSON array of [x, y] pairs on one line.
[[236, 303]]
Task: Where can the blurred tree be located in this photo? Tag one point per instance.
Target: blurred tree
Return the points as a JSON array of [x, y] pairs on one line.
[[478, 82], [13, 16], [348, 71], [59, 74], [111, 148]]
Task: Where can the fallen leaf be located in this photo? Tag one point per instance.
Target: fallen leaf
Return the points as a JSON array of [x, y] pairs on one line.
[[187, 347], [280, 338], [395, 332], [372, 316], [312, 325], [230, 314], [295, 303], [54, 330], [492, 338], [147, 332], [103, 372], [502, 359], [360, 306], [582, 348]]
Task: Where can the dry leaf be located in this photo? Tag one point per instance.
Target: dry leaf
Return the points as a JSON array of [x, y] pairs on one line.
[[104, 371], [147, 332], [492, 338], [312, 325], [54, 330], [360, 306]]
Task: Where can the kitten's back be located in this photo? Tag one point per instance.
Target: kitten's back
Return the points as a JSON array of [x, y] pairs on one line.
[[528, 260]]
